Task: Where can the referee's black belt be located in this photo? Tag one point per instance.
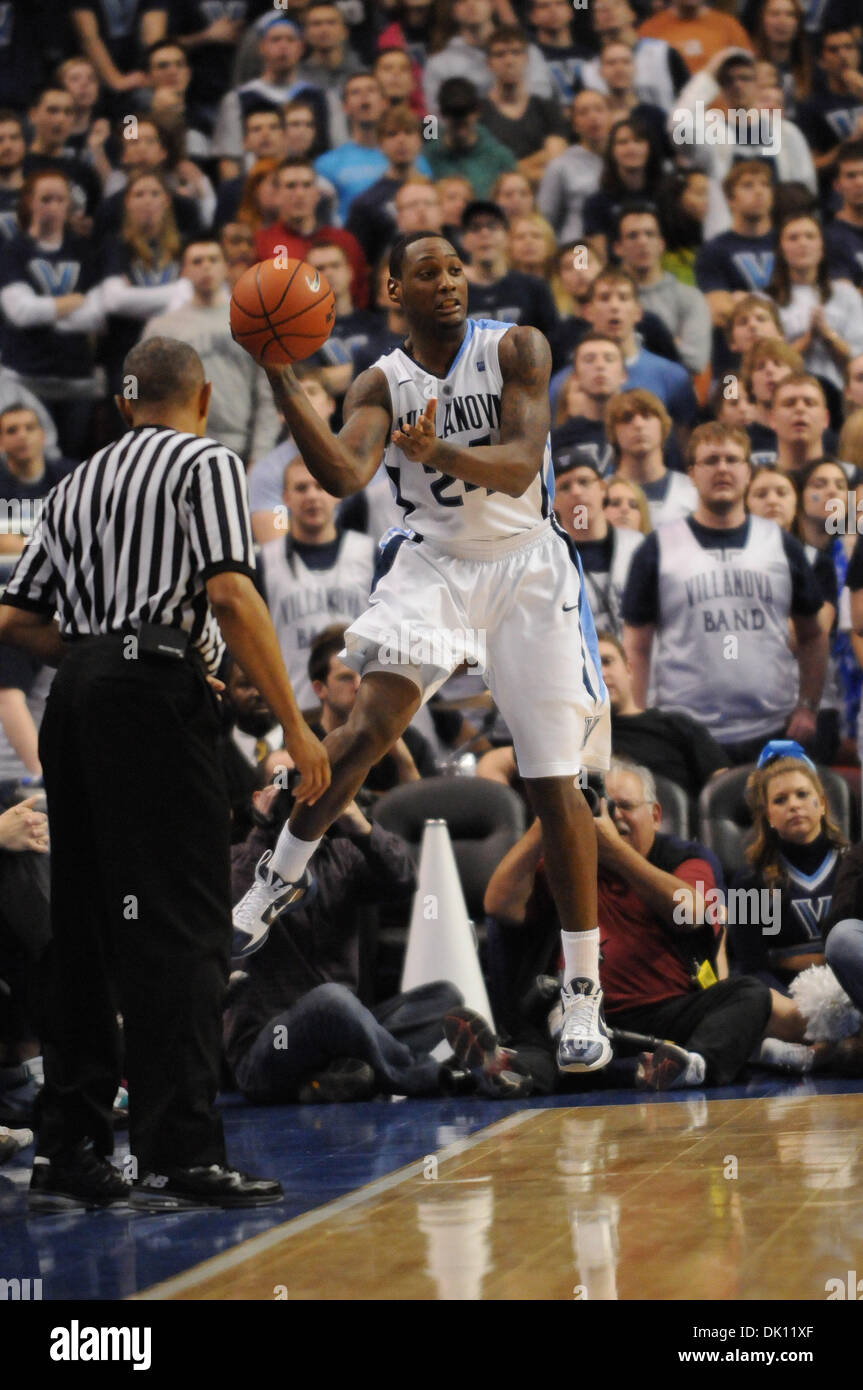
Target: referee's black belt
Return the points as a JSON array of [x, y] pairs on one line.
[[151, 639]]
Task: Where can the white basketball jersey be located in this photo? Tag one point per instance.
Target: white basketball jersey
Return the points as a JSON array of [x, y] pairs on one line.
[[680, 500], [468, 413], [303, 601], [605, 591], [724, 655]]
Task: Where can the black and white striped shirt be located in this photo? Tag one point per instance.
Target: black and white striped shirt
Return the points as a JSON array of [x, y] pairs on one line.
[[133, 534]]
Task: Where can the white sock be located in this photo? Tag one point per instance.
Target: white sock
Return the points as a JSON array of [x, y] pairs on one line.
[[291, 855], [580, 955], [696, 1070], [784, 1056], [36, 1068]]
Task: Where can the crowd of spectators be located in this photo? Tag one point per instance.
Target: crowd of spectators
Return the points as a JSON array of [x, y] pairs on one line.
[[701, 294]]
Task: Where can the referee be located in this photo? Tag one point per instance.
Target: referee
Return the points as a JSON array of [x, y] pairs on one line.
[[144, 553]]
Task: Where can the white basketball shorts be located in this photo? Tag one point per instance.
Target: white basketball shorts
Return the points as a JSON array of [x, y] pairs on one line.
[[515, 607]]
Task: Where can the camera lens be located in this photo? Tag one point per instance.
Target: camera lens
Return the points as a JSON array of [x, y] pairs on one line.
[[591, 796]]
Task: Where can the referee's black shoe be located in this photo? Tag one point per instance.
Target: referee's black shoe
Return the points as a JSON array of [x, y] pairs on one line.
[[209, 1186], [80, 1180]]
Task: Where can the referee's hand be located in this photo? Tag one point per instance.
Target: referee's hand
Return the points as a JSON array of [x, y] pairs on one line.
[[311, 758], [22, 828]]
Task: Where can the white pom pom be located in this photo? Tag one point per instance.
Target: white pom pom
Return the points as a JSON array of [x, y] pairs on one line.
[[830, 1016]]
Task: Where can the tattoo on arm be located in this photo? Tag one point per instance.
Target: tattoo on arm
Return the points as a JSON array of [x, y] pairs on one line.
[[367, 414], [525, 363]]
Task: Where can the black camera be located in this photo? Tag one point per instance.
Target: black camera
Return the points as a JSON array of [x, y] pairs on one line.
[[594, 794]]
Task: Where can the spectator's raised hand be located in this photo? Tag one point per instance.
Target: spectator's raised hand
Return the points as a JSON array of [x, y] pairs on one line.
[[98, 133], [190, 179], [22, 828], [609, 840], [80, 223], [131, 81], [734, 51], [223, 31], [352, 821]]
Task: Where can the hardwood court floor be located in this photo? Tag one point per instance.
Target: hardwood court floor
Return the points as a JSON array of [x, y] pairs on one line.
[[750, 1198]]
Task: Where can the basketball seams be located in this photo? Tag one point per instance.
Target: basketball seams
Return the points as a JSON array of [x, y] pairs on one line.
[[305, 309], [265, 313], [254, 324], [276, 307]]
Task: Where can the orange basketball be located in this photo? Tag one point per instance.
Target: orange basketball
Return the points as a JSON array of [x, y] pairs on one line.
[[282, 311]]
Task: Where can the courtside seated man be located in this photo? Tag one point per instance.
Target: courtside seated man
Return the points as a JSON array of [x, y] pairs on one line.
[[140, 551], [460, 416]]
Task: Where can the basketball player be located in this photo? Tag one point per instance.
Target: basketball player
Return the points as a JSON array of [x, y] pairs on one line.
[[460, 415]]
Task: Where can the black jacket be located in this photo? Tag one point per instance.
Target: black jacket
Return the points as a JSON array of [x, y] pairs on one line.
[[319, 944]]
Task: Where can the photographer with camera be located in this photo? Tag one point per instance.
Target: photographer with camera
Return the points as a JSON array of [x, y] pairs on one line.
[[657, 939], [294, 1028]]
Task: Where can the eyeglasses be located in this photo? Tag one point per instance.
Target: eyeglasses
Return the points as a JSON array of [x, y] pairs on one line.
[[627, 807]]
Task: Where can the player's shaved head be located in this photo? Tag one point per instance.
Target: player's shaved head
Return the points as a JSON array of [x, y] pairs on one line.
[[163, 371], [403, 243]]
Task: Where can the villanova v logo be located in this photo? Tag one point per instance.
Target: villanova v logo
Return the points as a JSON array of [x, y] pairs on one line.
[[756, 267], [55, 278], [225, 9]]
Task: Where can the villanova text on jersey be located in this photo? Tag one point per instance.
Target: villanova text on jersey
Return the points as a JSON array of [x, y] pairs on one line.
[[462, 414], [730, 583], [321, 605], [468, 413]]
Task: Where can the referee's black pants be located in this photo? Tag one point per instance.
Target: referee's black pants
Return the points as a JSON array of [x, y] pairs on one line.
[[140, 905]]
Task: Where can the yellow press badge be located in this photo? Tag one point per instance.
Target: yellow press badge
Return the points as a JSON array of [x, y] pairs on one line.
[[706, 975]]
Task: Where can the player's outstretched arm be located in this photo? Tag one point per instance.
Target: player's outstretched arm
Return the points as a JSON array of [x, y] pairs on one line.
[[511, 465], [345, 462]]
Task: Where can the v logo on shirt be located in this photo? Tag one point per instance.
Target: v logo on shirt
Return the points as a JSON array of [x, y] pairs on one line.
[[756, 267], [55, 277]]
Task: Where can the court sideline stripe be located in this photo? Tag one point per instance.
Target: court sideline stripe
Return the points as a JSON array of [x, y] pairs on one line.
[[247, 1249]]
